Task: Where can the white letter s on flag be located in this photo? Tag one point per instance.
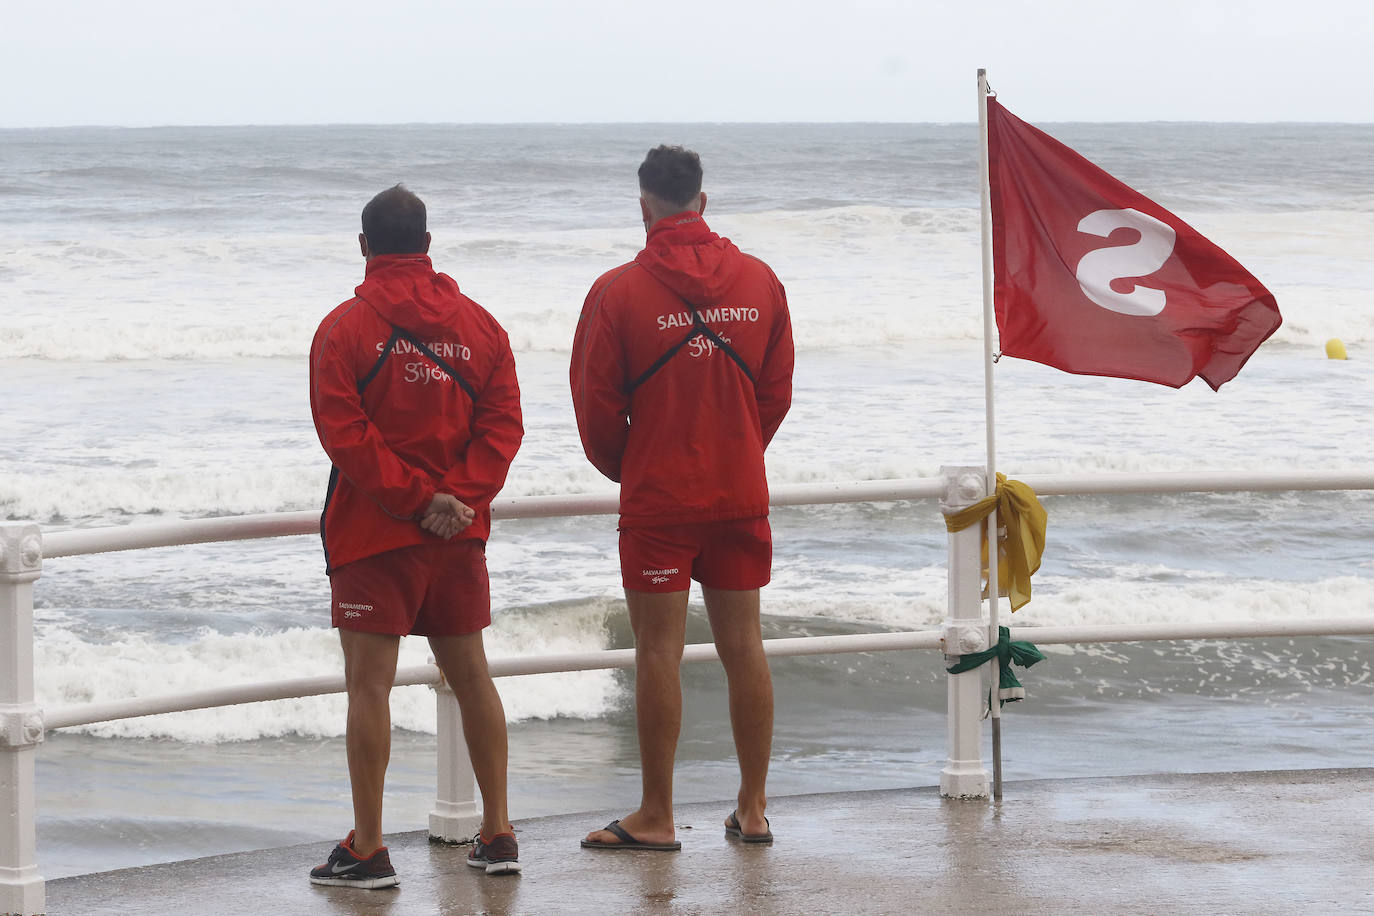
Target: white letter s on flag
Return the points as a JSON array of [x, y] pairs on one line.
[[1100, 267]]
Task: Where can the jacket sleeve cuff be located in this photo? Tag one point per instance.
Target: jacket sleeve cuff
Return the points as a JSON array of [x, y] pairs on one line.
[[427, 491]]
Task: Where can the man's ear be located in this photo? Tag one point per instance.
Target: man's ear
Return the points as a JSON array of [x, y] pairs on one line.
[[427, 241], [702, 208], [645, 213], [362, 246]]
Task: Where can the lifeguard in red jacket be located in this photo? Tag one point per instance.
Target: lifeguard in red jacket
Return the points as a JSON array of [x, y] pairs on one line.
[[681, 374], [414, 394]]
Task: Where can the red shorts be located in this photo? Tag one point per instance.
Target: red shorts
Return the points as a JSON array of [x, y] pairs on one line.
[[736, 554], [438, 589]]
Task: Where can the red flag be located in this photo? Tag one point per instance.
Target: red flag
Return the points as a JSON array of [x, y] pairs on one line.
[[1094, 278]]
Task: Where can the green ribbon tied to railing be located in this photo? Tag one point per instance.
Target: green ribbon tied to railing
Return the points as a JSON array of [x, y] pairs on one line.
[[1007, 653]]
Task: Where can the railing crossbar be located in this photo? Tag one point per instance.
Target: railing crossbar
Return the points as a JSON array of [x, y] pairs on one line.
[[91, 713], [79, 541]]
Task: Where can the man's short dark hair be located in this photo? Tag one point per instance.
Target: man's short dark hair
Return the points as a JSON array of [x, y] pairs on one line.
[[672, 174], [394, 222]]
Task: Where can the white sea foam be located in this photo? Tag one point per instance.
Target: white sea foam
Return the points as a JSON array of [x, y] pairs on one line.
[[186, 492], [237, 438], [856, 276], [1061, 601], [70, 669]]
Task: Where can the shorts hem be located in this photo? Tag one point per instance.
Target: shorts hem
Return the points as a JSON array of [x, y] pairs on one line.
[[352, 628]]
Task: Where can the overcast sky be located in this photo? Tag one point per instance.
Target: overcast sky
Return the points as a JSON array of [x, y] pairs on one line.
[[149, 62]]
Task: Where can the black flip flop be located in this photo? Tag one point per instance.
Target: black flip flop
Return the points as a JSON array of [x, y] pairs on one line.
[[629, 842], [732, 830]]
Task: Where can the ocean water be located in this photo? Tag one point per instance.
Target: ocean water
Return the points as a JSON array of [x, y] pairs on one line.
[[158, 292]]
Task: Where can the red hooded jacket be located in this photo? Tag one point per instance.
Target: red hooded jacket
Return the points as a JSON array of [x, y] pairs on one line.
[[684, 435], [400, 429]]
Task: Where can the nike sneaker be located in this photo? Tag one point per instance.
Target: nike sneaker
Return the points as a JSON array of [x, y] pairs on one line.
[[345, 869], [499, 856]]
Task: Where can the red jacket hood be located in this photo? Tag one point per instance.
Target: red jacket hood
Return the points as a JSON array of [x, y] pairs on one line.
[[405, 290], [686, 256]]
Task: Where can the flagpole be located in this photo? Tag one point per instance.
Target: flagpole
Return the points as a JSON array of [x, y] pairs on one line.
[[994, 705]]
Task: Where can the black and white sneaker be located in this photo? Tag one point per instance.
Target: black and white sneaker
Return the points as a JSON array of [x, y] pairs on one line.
[[499, 856], [345, 869]]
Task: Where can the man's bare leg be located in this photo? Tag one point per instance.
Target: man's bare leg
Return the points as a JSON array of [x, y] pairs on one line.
[[659, 621], [463, 659], [369, 670], [738, 636]]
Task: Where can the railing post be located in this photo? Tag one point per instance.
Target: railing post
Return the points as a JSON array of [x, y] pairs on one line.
[[965, 631], [21, 722], [455, 817]]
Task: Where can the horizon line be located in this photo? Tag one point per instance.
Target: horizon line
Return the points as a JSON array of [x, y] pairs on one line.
[[731, 123]]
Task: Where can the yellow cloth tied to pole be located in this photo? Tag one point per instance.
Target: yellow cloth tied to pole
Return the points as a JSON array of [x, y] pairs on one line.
[[1019, 550]]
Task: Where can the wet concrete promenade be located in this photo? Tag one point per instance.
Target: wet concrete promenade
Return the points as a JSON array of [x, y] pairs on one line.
[[1230, 843]]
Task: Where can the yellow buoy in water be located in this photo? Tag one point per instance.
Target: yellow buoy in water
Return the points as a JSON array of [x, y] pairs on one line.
[[1335, 349]]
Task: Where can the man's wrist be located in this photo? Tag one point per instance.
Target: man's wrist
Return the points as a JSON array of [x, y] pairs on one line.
[[421, 510]]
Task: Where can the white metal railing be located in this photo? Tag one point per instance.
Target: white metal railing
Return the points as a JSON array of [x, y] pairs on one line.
[[281, 524], [80, 541], [23, 547], [294, 688]]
